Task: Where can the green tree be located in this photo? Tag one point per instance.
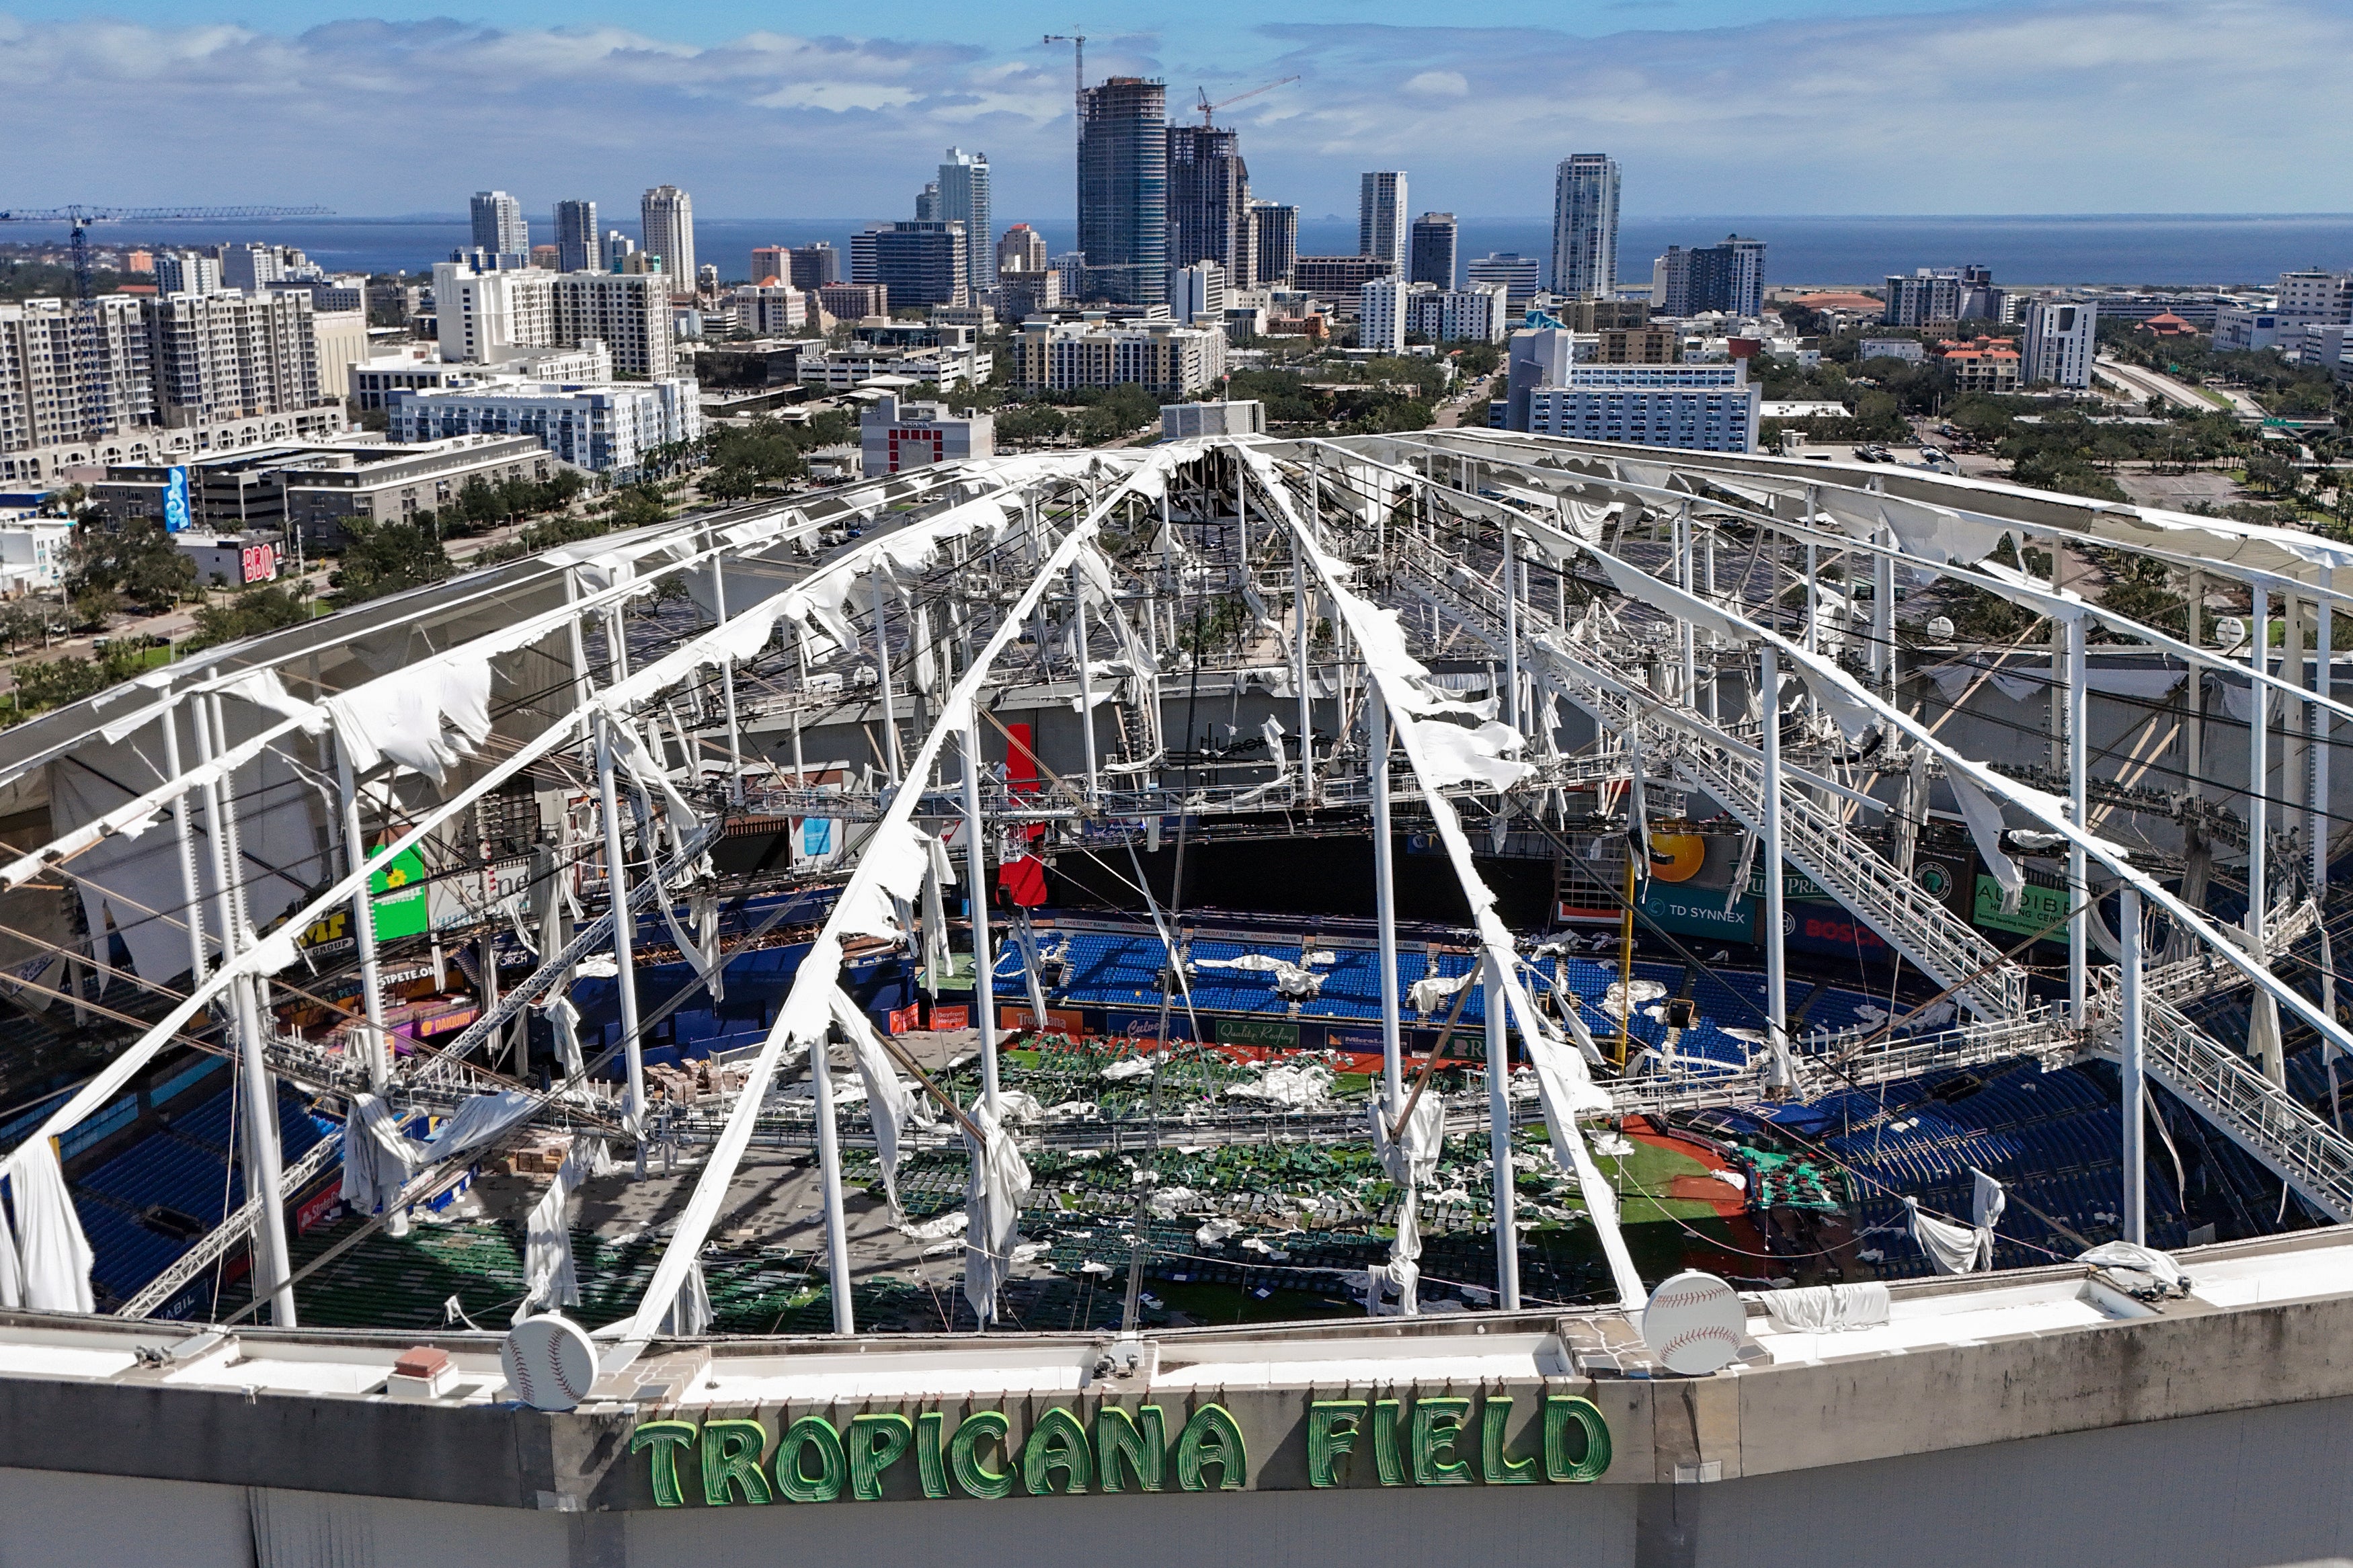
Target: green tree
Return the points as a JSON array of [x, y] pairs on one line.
[[382, 558], [138, 562], [251, 613]]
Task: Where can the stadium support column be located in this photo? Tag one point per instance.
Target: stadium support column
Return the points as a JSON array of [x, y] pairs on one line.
[[262, 1171], [883, 676], [1683, 576], [617, 886], [2135, 1130], [2264, 1038], [379, 1067], [984, 962], [828, 1159], [1510, 632], [1086, 684], [1306, 699], [190, 887], [1883, 613], [1777, 976], [1707, 556], [2317, 721], [2078, 870], [727, 683], [1376, 722], [1499, 1138]]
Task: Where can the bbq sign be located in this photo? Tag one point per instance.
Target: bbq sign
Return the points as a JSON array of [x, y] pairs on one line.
[[1527, 1438]]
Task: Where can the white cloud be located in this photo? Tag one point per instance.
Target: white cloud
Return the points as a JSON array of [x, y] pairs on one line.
[[1439, 84], [2093, 106]]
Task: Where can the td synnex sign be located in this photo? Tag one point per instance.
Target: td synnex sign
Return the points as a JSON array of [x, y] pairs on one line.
[[1494, 1439]]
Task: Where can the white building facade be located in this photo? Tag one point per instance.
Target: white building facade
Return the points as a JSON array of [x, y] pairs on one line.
[[605, 429], [490, 316], [1383, 229], [1585, 226], [2059, 343]]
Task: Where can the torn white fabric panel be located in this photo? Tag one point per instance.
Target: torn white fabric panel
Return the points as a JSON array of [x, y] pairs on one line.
[[1636, 583], [690, 1311], [2239, 702], [890, 1100], [1411, 1158], [1951, 1248], [1826, 1309], [378, 1157], [477, 1121], [565, 1019], [263, 689], [1984, 818], [1484, 756], [1432, 992], [549, 1280], [996, 1186], [869, 907], [1987, 1200], [424, 718], [54, 1256], [1932, 534]]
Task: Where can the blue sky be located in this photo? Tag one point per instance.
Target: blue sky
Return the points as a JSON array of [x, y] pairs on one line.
[[1711, 106]]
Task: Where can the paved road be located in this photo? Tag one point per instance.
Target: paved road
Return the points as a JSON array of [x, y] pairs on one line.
[[1449, 415], [2144, 383]]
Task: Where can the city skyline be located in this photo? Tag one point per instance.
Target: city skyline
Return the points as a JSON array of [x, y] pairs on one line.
[[2155, 107]]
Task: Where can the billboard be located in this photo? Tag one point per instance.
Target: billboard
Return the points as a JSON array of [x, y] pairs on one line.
[[177, 517]]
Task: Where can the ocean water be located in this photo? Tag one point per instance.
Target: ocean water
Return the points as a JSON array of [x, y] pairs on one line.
[[2169, 249]]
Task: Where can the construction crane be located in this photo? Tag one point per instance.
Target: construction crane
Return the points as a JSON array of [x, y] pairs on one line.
[[98, 392], [1208, 109], [1078, 61]]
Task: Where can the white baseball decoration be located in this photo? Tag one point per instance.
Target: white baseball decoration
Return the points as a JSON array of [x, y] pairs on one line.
[[1695, 1323], [549, 1361]]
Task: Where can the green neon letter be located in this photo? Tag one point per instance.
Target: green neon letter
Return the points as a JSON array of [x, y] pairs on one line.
[[1436, 1426], [1121, 1443], [1494, 1467], [731, 1452], [1385, 1442], [811, 1431], [665, 1438], [1210, 1437], [964, 1459], [1056, 1443], [875, 1444], [1332, 1425], [1591, 1446], [927, 1454]]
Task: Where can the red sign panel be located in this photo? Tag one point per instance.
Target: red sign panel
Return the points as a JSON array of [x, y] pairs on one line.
[[951, 1017], [319, 1208], [905, 1018], [258, 561]]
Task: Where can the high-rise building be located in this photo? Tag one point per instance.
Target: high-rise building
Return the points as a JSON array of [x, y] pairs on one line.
[[666, 219], [1517, 273], [486, 316], [618, 248], [186, 272], [1434, 249], [963, 198], [248, 265], [2315, 294], [927, 202], [63, 379], [770, 261], [575, 236], [815, 266], [1124, 189], [1380, 315], [1729, 278], [1381, 226], [499, 226], [1276, 241], [1208, 202], [1021, 249], [1929, 294], [1585, 226], [1197, 293], [1337, 277], [233, 355], [920, 263], [2060, 334], [1476, 314]]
